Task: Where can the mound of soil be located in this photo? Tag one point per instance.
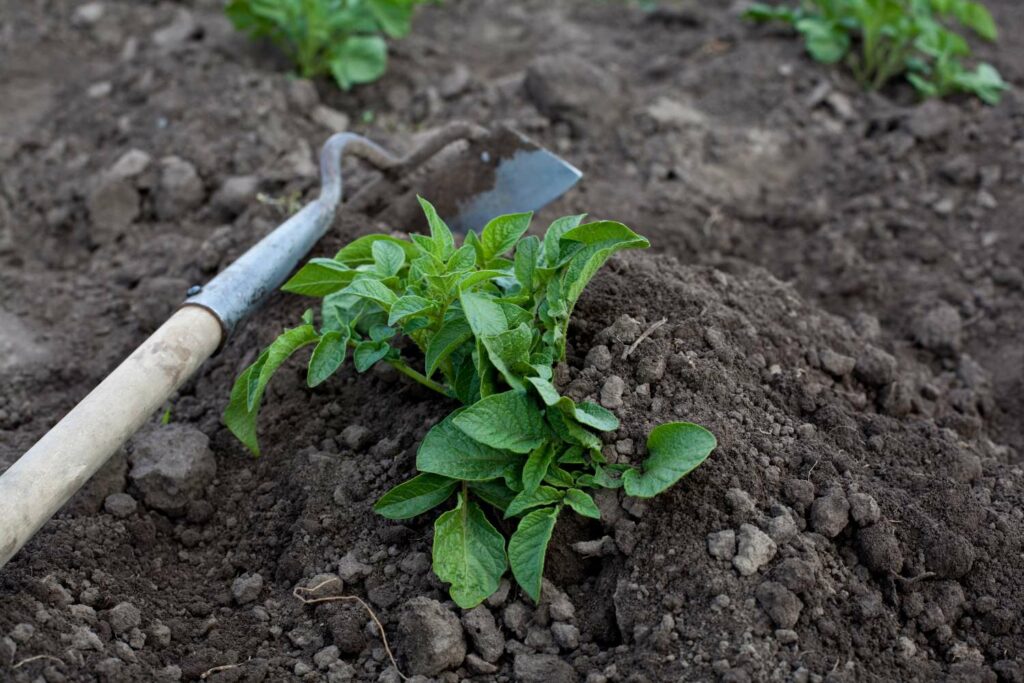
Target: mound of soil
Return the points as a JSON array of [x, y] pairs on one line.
[[845, 517], [861, 519]]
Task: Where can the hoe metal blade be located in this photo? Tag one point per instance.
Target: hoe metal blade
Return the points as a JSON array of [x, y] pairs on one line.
[[502, 173], [471, 180]]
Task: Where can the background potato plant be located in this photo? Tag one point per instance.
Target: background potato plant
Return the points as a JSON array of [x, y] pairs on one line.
[[883, 39], [337, 37], [488, 320]]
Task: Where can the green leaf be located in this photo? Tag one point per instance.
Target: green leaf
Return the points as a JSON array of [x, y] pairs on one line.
[[467, 383], [443, 242], [984, 81], [393, 16], [536, 466], [501, 233], [484, 314], [369, 352], [414, 497], [476, 277], [320, 277], [510, 353], [469, 553], [453, 333], [408, 306], [388, 257], [360, 251], [373, 290], [582, 503], [528, 546], [553, 237], [675, 449], [493, 492], [598, 417], [556, 476], [542, 495], [327, 357], [572, 456], [509, 421], [358, 59], [976, 17], [448, 451], [762, 12], [464, 259], [570, 430], [238, 417], [525, 262], [826, 42]]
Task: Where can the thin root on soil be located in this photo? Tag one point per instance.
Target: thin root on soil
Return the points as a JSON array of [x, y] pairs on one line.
[[224, 667], [29, 660], [644, 335], [301, 590]]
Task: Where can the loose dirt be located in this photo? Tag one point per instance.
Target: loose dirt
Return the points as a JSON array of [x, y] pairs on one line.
[[841, 278]]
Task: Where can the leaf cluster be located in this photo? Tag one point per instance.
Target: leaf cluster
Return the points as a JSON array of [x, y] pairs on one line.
[[342, 38], [488, 318], [912, 38]]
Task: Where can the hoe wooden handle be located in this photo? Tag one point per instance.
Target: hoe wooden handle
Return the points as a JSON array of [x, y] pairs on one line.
[[43, 479]]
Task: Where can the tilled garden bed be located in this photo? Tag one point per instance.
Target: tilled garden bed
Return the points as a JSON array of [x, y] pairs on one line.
[[860, 520]]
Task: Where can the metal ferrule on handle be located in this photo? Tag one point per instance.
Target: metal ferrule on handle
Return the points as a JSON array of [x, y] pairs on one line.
[[244, 284]]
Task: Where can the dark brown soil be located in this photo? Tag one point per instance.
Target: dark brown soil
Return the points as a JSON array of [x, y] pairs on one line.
[[841, 274]]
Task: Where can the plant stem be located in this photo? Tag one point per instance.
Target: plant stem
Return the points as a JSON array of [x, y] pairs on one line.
[[418, 376]]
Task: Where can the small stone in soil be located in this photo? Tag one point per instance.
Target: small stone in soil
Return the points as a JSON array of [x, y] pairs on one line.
[[351, 569], [517, 618], [22, 633], [327, 656], [864, 509], [180, 189], [782, 528], [940, 330], [544, 668], [875, 367], [123, 617], [235, 194], [566, 636], [247, 588], [356, 437], [599, 357], [478, 665], [722, 544], [830, 514], [129, 165], [120, 505], [331, 119], [780, 603], [795, 574], [430, 637], [740, 503], [755, 550], [171, 464], [484, 633], [799, 492], [836, 364], [611, 392]]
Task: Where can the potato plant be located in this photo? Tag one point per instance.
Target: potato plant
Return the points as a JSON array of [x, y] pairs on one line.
[[337, 37], [912, 38], [488, 319]]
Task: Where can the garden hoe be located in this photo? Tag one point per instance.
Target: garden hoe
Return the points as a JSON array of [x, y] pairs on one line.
[[472, 174]]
